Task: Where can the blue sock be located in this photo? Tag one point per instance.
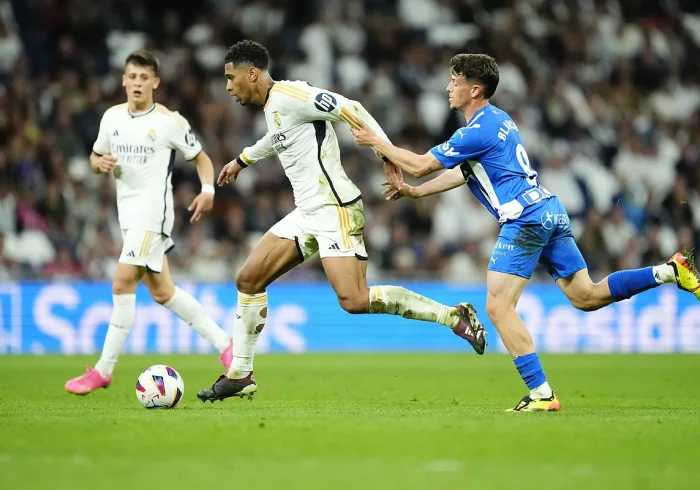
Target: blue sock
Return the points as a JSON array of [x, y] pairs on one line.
[[625, 284], [530, 369]]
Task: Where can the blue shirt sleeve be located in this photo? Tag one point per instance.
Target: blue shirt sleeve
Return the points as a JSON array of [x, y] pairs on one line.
[[465, 144]]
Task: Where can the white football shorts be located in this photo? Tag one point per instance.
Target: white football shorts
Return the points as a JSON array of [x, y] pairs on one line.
[[145, 248], [333, 231]]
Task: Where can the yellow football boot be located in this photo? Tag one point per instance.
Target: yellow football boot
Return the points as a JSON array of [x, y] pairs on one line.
[[528, 404], [686, 273]]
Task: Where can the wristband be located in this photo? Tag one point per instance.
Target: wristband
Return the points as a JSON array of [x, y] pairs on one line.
[[207, 189]]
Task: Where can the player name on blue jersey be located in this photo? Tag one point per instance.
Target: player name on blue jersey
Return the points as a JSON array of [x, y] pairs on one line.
[[506, 128]]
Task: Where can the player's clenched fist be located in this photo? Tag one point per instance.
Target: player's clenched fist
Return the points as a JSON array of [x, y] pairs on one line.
[[105, 164], [229, 173]]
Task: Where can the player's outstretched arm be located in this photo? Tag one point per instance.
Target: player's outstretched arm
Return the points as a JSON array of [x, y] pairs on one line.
[[357, 116], [414, 164], [444, 182], [323, 105], [261, 149], [204, 202]]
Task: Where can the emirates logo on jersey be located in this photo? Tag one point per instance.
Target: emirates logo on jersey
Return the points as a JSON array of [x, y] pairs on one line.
[[152, 135], [277, 120], [277, 140], [132, 154]]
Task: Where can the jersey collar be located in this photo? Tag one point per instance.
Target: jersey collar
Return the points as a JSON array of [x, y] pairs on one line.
[[142, 113], [267, 95], [472, 120]]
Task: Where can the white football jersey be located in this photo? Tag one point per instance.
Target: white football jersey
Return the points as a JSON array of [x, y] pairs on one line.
[[145, 146], [300, 133]]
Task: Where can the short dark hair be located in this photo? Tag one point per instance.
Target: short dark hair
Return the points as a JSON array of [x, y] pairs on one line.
[[142, 57], [248, 52], [480, 68]]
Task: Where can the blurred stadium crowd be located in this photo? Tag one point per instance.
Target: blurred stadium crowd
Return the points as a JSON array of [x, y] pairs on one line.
[[606, 95]]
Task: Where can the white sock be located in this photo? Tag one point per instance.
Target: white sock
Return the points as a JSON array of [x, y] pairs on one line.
[[664, 274], [250, 320], [542, 391], [395, 300], [189, 310], [119, 326]]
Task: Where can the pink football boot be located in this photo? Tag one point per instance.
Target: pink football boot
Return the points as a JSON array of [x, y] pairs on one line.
[[226, 356], [88, 382]]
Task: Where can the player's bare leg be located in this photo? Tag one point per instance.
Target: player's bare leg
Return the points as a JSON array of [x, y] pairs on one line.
[[583, 293], [163, 291], [347, 276], [271, 258], [586, 295], [503, 293], [126, 279]]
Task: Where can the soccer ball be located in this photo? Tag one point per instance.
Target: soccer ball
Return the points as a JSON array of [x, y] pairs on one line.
[[159, 386]]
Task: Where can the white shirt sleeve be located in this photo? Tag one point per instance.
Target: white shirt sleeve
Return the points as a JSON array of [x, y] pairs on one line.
[[102, 145], [261, 149], [328, 106], [182, 138]]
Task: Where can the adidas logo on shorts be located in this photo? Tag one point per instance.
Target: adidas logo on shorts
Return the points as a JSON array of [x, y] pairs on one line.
[[334, 247], [131, 254]]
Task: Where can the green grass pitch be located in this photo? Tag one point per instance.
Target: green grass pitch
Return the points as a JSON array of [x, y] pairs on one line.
[[397, 421]]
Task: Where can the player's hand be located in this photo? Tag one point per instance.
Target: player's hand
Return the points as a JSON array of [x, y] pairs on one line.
[[201, 205], [393, 174], [229, 173], [105, 164], [394, 194], [364, 135]]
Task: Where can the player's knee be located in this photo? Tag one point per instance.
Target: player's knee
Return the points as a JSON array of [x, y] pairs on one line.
[[587, 299], [493, 310], [496, 308], [248, 281], [162, 295], [122, 286], [584, 305], [354, 303]]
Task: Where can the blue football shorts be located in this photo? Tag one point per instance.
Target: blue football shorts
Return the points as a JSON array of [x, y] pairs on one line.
[[541, 234]]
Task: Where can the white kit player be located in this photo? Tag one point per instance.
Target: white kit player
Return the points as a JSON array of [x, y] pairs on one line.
[[137, 142], [328, 219]]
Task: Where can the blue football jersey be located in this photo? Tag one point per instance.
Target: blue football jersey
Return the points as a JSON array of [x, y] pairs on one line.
[[494, 163]]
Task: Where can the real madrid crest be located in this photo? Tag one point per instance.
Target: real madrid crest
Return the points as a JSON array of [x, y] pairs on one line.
[[277, 121], [152, 135]]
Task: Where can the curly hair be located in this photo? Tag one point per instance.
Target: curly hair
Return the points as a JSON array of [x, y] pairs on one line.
[[248, 52], [480, 68]]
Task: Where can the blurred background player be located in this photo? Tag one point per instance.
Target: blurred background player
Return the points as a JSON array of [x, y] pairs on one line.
[[488, 154], [328, 219], [136, 143]]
